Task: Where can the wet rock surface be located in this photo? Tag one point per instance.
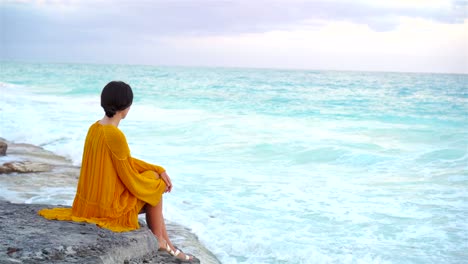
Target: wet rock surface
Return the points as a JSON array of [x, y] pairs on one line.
[[27, 171], [24, 167]]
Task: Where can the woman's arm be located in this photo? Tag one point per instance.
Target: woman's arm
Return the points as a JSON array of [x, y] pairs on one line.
[[142, 166], [143, 185]]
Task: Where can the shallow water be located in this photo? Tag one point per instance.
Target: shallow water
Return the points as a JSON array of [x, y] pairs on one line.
[[274, 166]]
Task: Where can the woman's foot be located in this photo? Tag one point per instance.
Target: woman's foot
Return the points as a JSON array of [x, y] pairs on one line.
[[182, 256], [164, 246], [179, 255]]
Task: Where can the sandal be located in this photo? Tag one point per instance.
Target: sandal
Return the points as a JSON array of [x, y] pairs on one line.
[[167, 249], [187, 258]]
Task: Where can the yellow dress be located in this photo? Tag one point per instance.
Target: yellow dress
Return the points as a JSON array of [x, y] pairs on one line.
[[113, 187]]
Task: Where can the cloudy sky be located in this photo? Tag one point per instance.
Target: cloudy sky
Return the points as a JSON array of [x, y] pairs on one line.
[[375, 35]]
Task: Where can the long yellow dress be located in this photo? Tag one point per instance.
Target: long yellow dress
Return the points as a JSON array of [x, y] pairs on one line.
[[113, 187]]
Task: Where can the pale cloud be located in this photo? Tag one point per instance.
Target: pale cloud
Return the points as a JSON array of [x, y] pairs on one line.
[[425, 45], [212, 17], [413, 3], [400, 35]]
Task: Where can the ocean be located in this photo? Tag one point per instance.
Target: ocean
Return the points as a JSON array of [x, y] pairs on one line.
[[274, 166]]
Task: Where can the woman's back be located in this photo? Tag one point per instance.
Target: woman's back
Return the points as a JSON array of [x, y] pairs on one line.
[[100, 192]]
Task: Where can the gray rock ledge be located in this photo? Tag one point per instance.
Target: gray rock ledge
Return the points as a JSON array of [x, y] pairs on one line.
[[27, 237]]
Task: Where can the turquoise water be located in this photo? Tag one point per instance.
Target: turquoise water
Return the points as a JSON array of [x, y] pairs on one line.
[[273, 166]]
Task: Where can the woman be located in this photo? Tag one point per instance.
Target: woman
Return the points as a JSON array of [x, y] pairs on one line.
[[113, 187]]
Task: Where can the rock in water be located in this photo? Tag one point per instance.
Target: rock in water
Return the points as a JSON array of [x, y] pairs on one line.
[[3, 148], [24, 167]]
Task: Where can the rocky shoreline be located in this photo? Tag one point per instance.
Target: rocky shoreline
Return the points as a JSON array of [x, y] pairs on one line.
[[26, 237]]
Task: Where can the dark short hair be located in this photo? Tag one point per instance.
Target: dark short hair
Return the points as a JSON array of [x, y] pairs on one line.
[[116, 96]]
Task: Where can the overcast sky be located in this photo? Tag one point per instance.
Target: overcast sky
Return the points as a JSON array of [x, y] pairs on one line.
[[376, 35]]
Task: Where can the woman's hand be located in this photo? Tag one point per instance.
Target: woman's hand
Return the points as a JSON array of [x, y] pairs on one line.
[[166, 180]]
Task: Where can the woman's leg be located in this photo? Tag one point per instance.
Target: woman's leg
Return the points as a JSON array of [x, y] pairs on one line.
[[155, 221]]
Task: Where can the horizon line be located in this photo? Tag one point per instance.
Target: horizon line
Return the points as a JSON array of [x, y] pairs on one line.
[[229, 67]]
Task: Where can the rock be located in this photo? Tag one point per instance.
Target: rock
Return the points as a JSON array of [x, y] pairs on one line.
[[25, 158], [24, 167], [21, 151], [3, 148], [37, 169], [29, 238]]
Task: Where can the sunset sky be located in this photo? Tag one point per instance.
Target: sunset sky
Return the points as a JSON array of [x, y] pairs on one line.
[[383, 35]]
